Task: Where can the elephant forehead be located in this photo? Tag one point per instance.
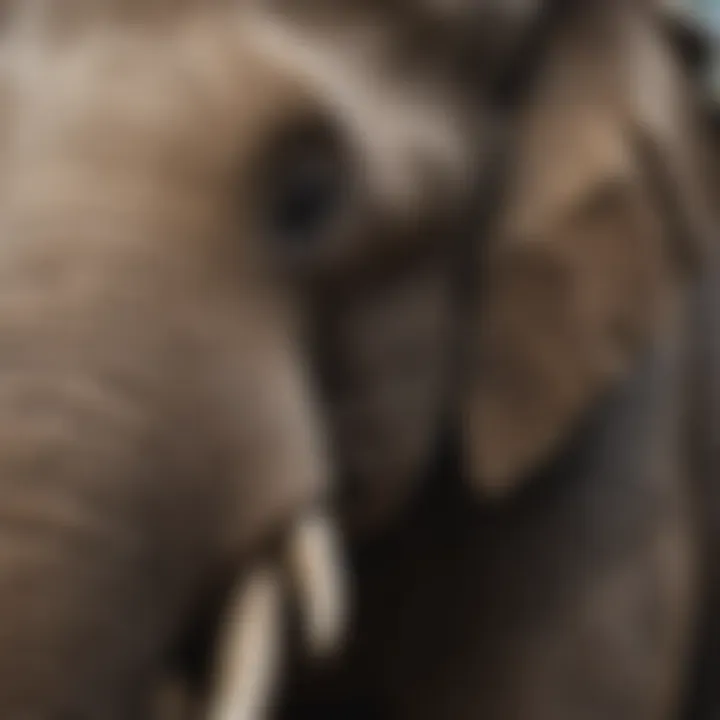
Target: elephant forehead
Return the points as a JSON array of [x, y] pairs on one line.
[[198, 91], [195, 89], [410, 120]]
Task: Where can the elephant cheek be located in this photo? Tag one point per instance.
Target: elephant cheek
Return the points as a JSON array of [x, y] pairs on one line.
[[280, 459], [386, 441], [384, 362]]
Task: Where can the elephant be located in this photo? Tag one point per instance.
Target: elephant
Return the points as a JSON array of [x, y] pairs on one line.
[[530, 540], [165, 184], [574, 597]]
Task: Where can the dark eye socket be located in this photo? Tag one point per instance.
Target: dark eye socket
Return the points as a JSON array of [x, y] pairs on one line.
[[306, 189]]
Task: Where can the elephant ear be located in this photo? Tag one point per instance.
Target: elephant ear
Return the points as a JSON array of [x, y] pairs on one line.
[[602, 220]]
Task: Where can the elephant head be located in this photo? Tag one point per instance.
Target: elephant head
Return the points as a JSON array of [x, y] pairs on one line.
[[166, 186], [567, 280], [417, 88], [600, 222], [599, 216]]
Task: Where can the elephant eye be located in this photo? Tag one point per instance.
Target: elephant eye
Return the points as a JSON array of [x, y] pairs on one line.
[[307, 190]]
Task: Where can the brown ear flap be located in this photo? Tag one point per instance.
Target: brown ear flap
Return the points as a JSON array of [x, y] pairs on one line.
[[582, 268]]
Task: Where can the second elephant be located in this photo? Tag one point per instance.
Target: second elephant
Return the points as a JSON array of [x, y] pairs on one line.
[[577, 596]]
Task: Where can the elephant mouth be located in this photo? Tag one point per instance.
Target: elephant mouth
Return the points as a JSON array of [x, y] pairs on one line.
[[249, 656]]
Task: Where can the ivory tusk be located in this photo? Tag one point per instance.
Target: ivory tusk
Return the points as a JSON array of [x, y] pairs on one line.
[[318, 574], [248, 659]]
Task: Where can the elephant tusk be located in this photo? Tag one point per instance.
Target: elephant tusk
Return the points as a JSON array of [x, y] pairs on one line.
[[251, 640], [317, 571], [249, 656]]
